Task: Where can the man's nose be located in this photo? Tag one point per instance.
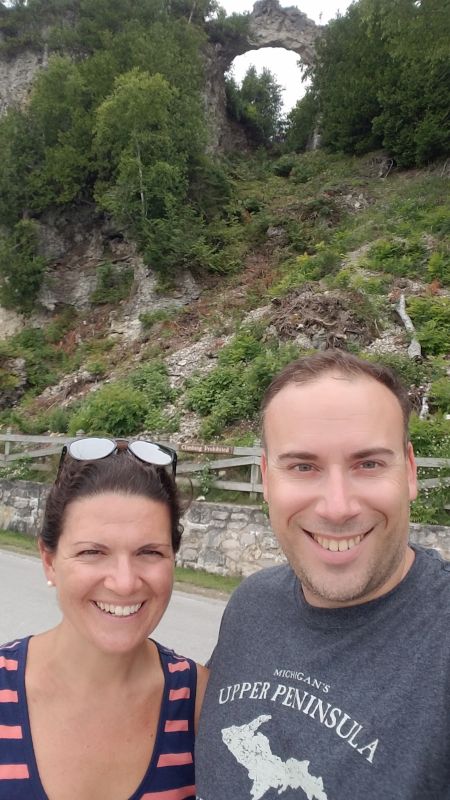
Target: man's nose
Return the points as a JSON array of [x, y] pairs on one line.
[[338, 501], [122, 577]]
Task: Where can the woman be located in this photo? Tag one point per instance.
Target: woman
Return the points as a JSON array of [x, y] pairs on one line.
[[93, 709]]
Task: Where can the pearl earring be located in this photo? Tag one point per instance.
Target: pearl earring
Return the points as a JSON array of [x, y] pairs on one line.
[[49, 583]]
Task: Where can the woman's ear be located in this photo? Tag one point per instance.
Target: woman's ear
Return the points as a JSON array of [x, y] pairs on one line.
[[47, 558]]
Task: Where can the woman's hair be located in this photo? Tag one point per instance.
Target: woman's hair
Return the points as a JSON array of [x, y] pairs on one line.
[[122, 473]]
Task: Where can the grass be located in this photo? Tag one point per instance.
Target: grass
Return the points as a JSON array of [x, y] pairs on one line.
[[200, 579]]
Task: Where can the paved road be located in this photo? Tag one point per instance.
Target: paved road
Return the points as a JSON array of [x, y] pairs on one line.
[[27, 605]]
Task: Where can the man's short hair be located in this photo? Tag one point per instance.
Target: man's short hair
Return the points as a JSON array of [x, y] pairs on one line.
[[308, 368]]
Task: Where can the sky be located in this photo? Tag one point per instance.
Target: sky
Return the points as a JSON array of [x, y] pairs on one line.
[[283, 63]]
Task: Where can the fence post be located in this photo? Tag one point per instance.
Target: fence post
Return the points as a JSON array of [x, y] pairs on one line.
[[255, 478], [7, 444]]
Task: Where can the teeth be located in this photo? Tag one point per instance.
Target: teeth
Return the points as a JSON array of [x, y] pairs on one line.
[[118, 611], [337, 545]]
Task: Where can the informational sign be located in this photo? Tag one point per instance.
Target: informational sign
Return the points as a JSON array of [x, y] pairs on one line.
[[216, 449]]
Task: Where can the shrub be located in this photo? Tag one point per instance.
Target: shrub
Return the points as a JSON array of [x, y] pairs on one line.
[[283, 167], [440, 395], [430, 437], [398, 257], [232, 392], [113, 284], [21, 268], [152, 380], [439, 267], [115, 409], [431, 316]]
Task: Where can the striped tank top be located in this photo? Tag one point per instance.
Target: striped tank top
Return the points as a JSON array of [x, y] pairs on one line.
[[170, 774]]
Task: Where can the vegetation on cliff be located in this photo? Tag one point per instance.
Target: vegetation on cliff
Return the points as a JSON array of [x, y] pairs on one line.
[[292, 250]]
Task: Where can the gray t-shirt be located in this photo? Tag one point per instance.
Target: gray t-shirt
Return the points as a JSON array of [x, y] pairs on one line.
[[330, 704]]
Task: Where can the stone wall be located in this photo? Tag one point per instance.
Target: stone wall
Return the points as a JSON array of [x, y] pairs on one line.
[[222, 538]]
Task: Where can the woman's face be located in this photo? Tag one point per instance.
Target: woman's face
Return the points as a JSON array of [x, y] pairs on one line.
[[113, 569]]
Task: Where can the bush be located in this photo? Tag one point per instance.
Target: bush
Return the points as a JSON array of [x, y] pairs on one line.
[[430, 437], [113, 284], [439, 267], [21, 268], [284, 166], [440, 395], [431, 316], [153, 381], [115, 410], [233, 391], [398, 257]]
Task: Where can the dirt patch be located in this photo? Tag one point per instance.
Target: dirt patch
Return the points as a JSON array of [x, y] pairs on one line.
[[328, 319]]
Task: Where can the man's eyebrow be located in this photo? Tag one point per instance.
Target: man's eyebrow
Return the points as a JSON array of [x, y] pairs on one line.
[[373, 451], [306, 455], [301, 455]]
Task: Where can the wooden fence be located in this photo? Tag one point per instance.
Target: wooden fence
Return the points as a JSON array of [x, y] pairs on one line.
[[209, 459]]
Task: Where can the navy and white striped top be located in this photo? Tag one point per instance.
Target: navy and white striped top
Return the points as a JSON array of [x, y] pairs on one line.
[[170, 774]]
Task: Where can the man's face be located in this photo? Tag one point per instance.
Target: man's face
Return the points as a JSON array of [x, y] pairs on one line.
[[338, 482]]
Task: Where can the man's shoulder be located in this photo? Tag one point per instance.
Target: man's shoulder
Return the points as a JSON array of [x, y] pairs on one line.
[[432, 581], [432, 563], [267, 582]]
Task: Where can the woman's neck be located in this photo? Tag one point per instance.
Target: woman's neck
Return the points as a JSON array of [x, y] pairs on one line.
[[73, 662]]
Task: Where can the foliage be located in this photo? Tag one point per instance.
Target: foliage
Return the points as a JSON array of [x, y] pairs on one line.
[[20, 470], [304, 268], [301, 123], [431, 316], [223, 28], [381, 78], [440, 395], [113, 284], [21, 268], [150, 318], [115, 409], [430, 437], [44, 361], [233, 390], [256, 104], [397, 257]]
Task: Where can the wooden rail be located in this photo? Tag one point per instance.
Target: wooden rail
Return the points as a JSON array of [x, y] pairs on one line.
[[211, 458]]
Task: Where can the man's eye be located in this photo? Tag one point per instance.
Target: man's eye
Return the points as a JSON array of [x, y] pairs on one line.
[[303, 467], [369, 464]]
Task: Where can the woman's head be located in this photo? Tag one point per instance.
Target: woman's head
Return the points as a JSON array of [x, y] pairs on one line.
[[120, 473]]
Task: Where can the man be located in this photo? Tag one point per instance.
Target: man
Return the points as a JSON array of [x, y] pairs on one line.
[[331, 677]]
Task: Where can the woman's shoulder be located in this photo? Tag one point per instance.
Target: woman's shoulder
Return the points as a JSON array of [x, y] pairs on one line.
[[15, 648], [168, 656]]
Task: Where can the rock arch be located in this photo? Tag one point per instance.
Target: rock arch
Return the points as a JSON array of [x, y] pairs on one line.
[[270, 25]]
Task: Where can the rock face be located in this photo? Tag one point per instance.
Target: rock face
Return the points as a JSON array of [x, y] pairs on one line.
[[274, 26], [16, 77], [270, 25]]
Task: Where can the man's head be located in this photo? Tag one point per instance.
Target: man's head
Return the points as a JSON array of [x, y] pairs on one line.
[[338, 475]]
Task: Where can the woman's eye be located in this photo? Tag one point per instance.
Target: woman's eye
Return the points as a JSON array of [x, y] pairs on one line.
[[89, 552], [151, 553]]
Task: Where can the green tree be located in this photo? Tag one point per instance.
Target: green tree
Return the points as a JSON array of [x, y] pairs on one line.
[[21, 267], [301, 122], [257, 104], [144, 172], [346, 79], [415, 94]]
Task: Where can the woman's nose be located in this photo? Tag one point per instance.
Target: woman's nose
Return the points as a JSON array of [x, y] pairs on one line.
[[122, 577]]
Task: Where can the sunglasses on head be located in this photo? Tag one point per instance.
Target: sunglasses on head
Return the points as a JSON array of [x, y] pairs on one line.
[[94, 448]]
